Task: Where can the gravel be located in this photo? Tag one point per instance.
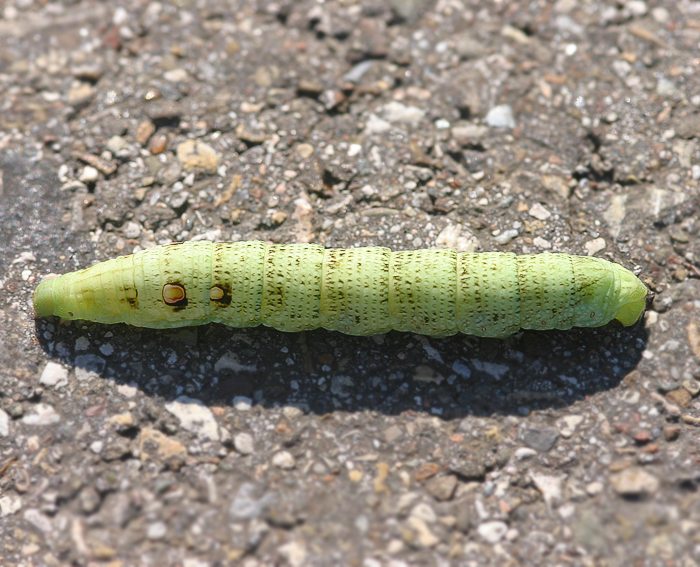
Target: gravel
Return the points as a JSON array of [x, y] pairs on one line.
[[520, 127]]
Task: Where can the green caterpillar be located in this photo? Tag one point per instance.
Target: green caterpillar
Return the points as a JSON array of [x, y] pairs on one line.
[[358, 291]]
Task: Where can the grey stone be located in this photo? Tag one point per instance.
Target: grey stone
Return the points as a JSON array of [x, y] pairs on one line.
[[88, 366], [249, 502], [541, 439], [442, 488]]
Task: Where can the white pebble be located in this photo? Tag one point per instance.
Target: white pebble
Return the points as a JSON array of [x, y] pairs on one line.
[[243, 443], [284, 460], [89, 174], [242, 403], [492, 532], [43, 414], [54, 374], [4, 423], [636, 7], [594, 246], [397, 112], [661, 15], [539, 212], [376, 125], [195, 417], [501, 117], [156, 530], [524, 453], [176, 75], [506, 236], [131, 229]]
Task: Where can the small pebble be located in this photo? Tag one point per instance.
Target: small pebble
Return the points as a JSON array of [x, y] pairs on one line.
[[118, 146], [157, 530], [539, 212], [176, 76], [634, 482], [283, 460], [541, 439], [396, 112], [4, 423], [41, 414], [144, 131], [506, 236], [692, 386], [131, 229], [89, 175], [54, 374], [81, 93], [158, 144], [594, 246], [501, 117], [107, 349], [242, 403], [442, 488], [10, 504], [523, 453], [492, 532], [194, 154], [195, 417], [243, 443], [466, 134]]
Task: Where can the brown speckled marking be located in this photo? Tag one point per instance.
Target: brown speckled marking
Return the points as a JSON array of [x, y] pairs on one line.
[[131, 294]]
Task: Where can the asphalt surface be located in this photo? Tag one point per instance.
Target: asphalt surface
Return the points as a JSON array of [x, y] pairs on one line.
[[511, 126]]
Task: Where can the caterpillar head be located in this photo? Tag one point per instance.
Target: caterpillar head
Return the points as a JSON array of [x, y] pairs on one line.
[[631, 297], [606, 291]]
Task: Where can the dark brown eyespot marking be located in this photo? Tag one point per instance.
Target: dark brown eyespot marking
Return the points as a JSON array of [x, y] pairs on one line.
[[220, 294], [132, 297], [175, 295]]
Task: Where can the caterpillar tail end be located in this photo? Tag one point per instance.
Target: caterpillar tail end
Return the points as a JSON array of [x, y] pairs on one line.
[[632, 299], [43, 300]]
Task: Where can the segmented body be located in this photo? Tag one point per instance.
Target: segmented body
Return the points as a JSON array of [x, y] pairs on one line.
[[359, 291]]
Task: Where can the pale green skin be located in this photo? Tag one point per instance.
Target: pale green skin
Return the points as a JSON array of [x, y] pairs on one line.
[[358, 291]]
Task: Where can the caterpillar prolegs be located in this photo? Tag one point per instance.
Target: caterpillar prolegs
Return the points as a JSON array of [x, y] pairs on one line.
[[358, 291]]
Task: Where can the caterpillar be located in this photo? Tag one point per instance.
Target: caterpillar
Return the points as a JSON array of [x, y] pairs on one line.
[[358, 291]]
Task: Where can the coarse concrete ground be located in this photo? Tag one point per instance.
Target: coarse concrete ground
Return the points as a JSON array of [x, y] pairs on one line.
[[523, 126]]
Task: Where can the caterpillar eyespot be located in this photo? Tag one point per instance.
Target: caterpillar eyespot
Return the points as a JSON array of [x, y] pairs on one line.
[[174, 294], [358, 291]]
